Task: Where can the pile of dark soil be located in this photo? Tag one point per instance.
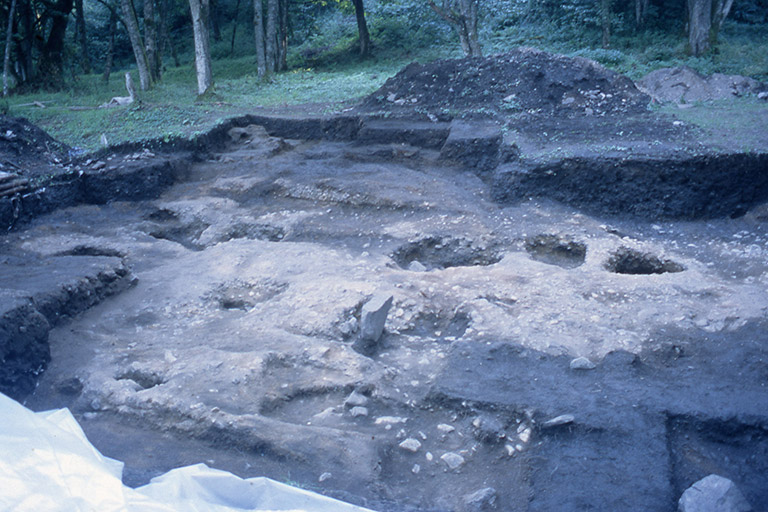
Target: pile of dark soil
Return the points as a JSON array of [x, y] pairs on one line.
[[25, 147], [524, 80]]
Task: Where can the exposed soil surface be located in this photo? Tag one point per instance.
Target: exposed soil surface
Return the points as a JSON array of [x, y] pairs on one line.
[[214, 312]]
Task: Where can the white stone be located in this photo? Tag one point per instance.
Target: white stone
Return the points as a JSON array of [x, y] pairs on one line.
[[358, 411], [412, 445], [356, 399], [445, 428], [525, 435], [374, 316], [416, 266], [415, 469], [325, 476], [453, 460], [429, 456], [713, 493], [582, 363], [390, 420], [563, 419]]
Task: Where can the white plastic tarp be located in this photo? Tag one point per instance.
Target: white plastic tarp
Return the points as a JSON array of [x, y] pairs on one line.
[[47, 464]]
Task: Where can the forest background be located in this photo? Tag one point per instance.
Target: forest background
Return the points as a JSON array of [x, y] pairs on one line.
[[195, 62]]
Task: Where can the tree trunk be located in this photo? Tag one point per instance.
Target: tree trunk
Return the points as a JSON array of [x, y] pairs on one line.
[[165, 37], [641, 11], [8, 42], [150, 40], [699, 26], [605, 22], [234, 29], [25, 48], [82, 37], [258, 33], [282, 41], [52, 58], [362, 29], [111, 49], [132, 26], [214, 20], [271, 35], [200, 12], [464, 22], [720, 10]]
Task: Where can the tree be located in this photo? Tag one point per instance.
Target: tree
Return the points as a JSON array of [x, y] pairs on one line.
[[150, 40], [605, 21], [258, 33], [462, 16], [139, 52], [8, 42], [705, 17], [82, 37], [362, 29], [51, 63], [273, 10], [200, 13]]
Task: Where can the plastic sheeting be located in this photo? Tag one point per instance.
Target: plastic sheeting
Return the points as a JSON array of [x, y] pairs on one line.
[[47, 463]]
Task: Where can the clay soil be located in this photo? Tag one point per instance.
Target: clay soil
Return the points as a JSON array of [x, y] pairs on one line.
[[203, 303]]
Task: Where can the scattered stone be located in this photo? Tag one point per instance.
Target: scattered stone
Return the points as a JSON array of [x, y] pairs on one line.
[[390, 420], [412, 445], [358, 411], [481, 500], [356, 399], [429, 456], [488, 429], [372, 320], [582, 363], [415, 469], [510, 449], [763, 96], [563, 419], [445, 428], [416, 266], [713, 493], [453, 460], [525, 435], [325, 476]]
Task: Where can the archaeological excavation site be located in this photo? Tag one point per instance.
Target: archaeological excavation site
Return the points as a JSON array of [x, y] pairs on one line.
[[494, 284]]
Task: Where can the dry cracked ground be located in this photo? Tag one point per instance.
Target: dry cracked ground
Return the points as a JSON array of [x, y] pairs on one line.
[[535, 356]]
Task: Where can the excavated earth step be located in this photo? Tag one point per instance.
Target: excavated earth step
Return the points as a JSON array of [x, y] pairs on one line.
[[35, 295]]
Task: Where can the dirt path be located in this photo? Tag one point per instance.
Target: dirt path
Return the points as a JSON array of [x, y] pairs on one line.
[[230, 333]]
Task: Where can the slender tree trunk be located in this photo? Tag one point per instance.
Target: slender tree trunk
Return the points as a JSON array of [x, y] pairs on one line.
[[214, 20], [26, 17], [463, 21], [132, 26], [271, 35], [150, 40], [720, 10], [699, 26], [282, 42], [641, 11], [258, 33], [8, 42], [111, 48], [605, 21], [234, 29], [362, 29], [82, 37], [200, 12], [165, 36]]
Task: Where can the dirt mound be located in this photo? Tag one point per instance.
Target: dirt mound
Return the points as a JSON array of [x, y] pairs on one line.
[[524, 80], [24, 146], [683, 84]]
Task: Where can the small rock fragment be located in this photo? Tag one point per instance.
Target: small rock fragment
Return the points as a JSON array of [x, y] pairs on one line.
[[416, 266], [510, 449], [488, 429], [482, 500], [453, 460], [390, 420], [412, 445], [356, 399], [372, 320], [762, 95], [429, 457], [713, 493], [525, 435], [325, 476], [415, 469], [563, 419], [445, 428], [358, 411], [582, 363]]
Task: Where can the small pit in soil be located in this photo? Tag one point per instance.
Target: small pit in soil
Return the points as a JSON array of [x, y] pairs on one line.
[[435, 252], [631, 261], [560, 250]]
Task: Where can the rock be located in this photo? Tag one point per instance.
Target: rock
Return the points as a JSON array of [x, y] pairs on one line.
[[358, 411], [763, 95], [445, 428], [488, 429], [563, 419], [412, 445], [415, 469], [416, 266], [453, 460], [325, 476], [481, 500], [372, 320], [390, 420], [713, 493], [356, 399], [71, 386], [582, 363]]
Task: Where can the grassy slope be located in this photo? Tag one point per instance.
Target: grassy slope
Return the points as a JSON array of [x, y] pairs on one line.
[[172, 107]]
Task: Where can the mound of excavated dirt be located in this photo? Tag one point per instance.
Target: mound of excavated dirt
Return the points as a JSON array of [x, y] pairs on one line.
[[24, 146], [524, 80], [683, 84]]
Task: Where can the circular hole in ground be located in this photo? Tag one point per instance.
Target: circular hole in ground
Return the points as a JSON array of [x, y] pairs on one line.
[[560, 250], [436, 252], [631, 261]]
